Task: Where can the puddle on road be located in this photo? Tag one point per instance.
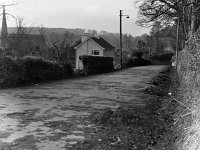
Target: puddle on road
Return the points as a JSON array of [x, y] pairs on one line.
[[50, 122]]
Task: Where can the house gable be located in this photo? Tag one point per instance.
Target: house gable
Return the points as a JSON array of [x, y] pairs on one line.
[[86, 48]]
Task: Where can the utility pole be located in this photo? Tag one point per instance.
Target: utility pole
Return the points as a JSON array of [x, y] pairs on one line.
[[120, 18]]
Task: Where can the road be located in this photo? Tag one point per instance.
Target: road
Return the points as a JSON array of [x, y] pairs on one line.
[[51, 116]]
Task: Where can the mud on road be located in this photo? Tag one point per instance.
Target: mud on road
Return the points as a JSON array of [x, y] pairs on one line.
[[53, 116]]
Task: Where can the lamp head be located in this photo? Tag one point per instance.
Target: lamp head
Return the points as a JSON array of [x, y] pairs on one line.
[[127, 17]]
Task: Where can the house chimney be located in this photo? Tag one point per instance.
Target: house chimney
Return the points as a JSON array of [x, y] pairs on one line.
[[85, 36]]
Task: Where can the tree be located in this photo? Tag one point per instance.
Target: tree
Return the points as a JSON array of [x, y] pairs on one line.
[[171, 12], [43, 50], [67, 53], [56, 44], [141, 44], [23, 41], [92, 32], [163, 11], [127, 41]]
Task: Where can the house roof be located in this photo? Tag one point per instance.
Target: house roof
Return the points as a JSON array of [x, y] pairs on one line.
[[103, 43], [100, 41]]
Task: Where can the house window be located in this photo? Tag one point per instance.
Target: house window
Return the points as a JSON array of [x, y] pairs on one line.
[[95, 52]]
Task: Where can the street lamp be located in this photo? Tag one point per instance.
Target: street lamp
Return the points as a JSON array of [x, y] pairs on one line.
[[120, 16]]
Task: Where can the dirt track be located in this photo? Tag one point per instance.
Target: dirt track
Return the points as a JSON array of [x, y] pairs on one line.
[[51, 116]]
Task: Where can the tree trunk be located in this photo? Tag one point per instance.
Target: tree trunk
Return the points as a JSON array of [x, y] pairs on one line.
[[193, 16]]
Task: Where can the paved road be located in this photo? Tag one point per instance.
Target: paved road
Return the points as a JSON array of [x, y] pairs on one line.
[[51, 116]]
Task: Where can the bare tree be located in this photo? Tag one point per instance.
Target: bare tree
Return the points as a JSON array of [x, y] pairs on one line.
[[170, 12], [43, 49], [20, 40], [56, 45]]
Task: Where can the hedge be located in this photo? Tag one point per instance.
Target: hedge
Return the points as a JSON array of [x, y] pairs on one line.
[[95, 64], [27, 70]]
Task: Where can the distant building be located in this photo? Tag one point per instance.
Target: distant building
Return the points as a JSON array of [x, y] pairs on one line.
[[93, 46], [4, 32]]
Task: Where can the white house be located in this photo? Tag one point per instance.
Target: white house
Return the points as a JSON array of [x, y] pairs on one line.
[[93, 46]]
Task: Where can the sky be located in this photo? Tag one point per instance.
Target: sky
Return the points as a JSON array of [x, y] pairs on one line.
[[100, 15]]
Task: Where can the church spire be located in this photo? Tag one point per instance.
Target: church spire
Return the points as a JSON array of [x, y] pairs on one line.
[[4, 30]]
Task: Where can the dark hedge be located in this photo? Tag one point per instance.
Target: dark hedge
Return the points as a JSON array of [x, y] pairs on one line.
[[136, 61], [29, 70], [94, 64]]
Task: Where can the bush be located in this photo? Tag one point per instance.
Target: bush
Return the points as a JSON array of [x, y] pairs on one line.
[[164, 58], [136, 61], [137, 54], [21, 71]]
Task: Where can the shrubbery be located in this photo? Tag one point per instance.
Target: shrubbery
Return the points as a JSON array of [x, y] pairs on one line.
[[137, 54], [27, 70], [164, 58], [136, 61]]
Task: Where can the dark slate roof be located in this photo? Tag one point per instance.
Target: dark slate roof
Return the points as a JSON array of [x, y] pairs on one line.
[[103, 43]]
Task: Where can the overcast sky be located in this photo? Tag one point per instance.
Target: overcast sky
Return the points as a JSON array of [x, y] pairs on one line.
[[86, 14]]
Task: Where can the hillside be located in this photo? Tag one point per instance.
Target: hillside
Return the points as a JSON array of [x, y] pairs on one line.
[[70, 36]]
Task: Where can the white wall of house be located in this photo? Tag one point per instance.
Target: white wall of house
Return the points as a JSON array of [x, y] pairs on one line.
[[86, 49]]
